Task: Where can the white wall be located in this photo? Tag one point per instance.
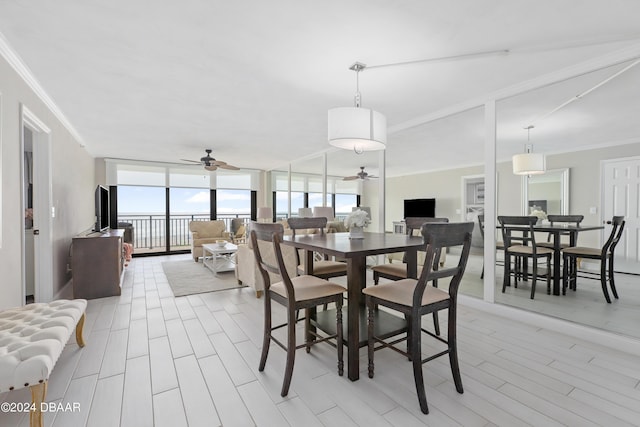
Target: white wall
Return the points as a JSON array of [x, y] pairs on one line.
[[446, 187], [72, 192]]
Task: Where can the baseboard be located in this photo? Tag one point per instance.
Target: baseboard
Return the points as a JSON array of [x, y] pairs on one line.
[[583, 332]]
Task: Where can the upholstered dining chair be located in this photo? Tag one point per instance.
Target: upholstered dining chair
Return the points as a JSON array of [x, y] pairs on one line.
[[399, 271], [561, 219], [605, 255], [520, 243], [324, 269], [297, 293], [415, 298]]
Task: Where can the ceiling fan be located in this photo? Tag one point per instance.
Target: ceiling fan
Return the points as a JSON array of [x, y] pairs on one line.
[[360, 175], [210, 163]]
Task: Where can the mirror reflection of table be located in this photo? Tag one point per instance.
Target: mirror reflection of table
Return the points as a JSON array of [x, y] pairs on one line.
[[355, 252], [556, 231]]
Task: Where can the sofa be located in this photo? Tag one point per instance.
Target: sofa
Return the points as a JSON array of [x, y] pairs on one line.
[[205, 232]]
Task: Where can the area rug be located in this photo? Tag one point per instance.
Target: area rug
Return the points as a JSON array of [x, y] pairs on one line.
[[188, 277]]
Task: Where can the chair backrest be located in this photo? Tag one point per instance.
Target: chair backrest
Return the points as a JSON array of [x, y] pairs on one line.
[[518, 230], [414, 223], [617, 223], [439, 237], [481, 224], [236, 223], [207, 228], [564, 219], [305, 223], [263, 234]]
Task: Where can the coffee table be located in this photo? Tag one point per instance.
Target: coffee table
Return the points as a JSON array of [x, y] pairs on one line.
[[219, 258]]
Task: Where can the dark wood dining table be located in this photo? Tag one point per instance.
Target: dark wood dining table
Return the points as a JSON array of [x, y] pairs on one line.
[[355, 251], [556, 231]]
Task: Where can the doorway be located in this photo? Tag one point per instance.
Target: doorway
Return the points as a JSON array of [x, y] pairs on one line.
[[37, 257], [620, 196]]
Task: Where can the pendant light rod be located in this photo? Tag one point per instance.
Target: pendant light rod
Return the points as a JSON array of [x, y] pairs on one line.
[[443, 58], [586, 92]]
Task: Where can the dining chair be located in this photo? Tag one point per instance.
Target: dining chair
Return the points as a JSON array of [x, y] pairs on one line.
[[499, 244], [520, 243], [297, 293], [399, 271], [415, 298], [324, 268], [605, 255], [561, 219]]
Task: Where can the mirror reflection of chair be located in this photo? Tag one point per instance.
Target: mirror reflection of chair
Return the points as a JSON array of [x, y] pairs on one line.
[[520, 243], [415, 298], [301, 292], [561, 219], [605, 255], [499, 244]]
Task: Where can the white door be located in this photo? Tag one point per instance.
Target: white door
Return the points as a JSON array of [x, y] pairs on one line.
[[621, 196], [42, 209]]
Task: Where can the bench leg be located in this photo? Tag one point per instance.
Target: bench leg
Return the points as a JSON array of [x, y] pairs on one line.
[[79, 327], [38, 394]]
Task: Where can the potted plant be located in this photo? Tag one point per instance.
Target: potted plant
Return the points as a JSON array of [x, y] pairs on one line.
[[356, 221]]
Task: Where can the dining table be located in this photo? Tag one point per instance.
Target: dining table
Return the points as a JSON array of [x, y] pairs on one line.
[[556, 231], [355, 252]]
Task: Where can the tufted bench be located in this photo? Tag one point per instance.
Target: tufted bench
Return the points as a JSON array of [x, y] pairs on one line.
[[31, 340]]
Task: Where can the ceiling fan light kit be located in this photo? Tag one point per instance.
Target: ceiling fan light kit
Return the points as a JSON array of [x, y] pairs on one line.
[[212, 164], [356, 128]]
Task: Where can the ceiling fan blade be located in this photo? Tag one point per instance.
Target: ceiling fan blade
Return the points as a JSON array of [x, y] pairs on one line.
[[211, 168], [191, 161], [226, 166], [350, 178], [218, 162], [372, 176]]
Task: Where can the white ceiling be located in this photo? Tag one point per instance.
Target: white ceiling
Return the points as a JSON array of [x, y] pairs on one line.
[[161, 80]]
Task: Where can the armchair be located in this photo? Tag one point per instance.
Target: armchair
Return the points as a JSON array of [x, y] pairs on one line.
[[204, 232]]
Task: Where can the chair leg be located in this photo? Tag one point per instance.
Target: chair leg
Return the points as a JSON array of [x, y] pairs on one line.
[[370, 342], [339, 343], [453, 349], [507, 272], [612, 281], [482, 274], [534, 277], [266, 339], [436, 323], [291, 351], [416, 360], [603, 280], [549, 275], [565, 273], [376, 278]]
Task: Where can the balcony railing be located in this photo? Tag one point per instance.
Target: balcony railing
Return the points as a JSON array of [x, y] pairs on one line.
[[149, 231]]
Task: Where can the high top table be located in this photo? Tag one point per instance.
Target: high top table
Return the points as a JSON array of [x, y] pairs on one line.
[[556, 231], [355, 251]]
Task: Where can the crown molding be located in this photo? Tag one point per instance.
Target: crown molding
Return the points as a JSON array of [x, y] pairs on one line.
[[27, 76]]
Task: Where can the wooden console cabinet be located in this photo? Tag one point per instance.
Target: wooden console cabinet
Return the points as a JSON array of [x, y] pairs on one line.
[[97, 264]]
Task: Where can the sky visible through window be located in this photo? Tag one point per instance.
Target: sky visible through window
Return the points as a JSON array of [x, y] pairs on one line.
[[151, 200]]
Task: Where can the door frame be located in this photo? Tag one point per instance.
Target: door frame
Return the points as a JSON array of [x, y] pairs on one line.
[[603, 164], [42, 203]]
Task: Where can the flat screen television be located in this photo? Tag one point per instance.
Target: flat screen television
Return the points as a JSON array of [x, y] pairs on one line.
[[102, 208], [420, 207]]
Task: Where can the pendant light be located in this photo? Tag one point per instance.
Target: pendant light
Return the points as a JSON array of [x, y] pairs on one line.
[[529, 163], [356, 128]]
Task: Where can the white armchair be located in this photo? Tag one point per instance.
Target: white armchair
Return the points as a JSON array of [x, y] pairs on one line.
[[205, 232]]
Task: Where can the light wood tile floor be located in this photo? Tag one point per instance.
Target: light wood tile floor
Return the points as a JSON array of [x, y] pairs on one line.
[[155, 360]]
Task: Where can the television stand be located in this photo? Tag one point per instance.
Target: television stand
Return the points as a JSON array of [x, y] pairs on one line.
[[97, 264]]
